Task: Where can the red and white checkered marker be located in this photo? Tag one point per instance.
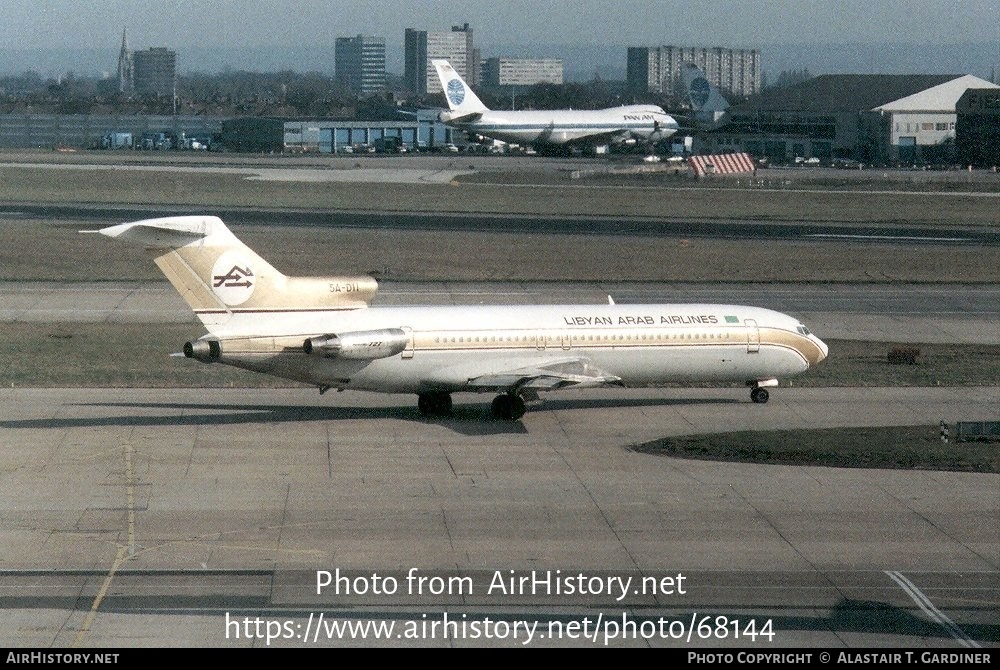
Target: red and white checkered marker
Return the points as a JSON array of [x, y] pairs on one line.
[[722, 164]]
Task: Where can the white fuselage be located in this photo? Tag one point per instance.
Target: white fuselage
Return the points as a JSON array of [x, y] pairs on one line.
[[605, 126], [449, 346]]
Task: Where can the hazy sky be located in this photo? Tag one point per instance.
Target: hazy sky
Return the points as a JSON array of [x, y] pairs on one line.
[[93, 24]]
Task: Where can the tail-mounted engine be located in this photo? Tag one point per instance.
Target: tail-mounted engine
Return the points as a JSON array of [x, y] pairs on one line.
[[206, 351], [361, 345]]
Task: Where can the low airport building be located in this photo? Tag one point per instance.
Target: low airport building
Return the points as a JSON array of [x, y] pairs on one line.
[[869, 118], [977, 130], [326, 136], [91, 131]]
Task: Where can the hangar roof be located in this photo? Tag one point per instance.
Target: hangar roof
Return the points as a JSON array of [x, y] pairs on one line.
[[864, 92], [944, 96]]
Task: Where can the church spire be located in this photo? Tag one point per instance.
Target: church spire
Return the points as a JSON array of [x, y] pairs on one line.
[[126, 80]]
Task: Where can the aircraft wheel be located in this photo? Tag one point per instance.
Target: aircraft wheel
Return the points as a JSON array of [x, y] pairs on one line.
[[434, 404], [444, 404], [508, 407], [501, 407], [517, 408], [759, 395]]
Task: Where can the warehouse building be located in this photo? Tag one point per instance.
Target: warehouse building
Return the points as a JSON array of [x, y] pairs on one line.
[[271, 135], [84, 131], [866, 117]]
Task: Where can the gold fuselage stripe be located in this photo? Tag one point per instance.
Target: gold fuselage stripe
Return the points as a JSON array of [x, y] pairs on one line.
[[556, 340]]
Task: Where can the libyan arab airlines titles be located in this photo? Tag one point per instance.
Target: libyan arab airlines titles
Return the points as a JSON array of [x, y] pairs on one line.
[[638, 320]]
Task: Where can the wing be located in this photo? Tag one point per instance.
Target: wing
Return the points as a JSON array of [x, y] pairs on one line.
[[535, 373], [608, 137]]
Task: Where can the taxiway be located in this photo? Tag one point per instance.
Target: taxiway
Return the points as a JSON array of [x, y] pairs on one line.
[[142, 517]]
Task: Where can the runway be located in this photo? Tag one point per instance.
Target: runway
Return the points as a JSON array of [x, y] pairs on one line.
[[928, 313], [142, 517]]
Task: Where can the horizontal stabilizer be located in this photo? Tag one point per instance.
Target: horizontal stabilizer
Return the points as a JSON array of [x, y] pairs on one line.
[[449, 117], [172, 231]]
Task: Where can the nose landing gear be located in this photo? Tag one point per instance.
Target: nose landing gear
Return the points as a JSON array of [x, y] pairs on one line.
[[758, 392]]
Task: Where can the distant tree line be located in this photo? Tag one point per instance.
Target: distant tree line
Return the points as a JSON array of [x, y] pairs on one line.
[[282, 94], [234, 93]]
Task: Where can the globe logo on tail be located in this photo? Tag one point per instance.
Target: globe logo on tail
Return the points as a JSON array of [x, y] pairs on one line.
[[456, 92], [699, 91]]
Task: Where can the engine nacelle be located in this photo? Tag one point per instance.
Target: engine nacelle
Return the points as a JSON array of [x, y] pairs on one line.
[[361, 345], [206, 351]]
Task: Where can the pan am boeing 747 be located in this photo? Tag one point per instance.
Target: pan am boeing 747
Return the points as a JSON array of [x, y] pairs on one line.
[[564, 127], [324, 331]]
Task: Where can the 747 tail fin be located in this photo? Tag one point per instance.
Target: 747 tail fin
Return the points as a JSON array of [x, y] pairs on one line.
[[461, 100], [707, 103]]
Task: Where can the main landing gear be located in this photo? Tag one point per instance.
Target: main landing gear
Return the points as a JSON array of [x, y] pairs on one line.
[[508, 406], [437, 403]]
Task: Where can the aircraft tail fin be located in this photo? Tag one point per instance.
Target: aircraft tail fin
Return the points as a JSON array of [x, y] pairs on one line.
[[707, 103], [461, 100], [219, 276]]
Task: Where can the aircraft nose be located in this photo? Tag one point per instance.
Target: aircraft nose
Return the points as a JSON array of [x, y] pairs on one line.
[[822, 347]]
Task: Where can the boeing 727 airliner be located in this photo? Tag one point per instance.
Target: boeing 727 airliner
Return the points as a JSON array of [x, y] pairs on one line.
[[324, 331], [644, 123]]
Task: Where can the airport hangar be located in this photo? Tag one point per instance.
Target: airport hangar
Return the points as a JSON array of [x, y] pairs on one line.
[[253, 135], [872, 118], [325, 136]]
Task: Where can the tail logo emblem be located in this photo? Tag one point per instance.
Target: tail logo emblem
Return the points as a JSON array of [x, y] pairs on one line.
[[456, 92], [233, 277], [233, 281]]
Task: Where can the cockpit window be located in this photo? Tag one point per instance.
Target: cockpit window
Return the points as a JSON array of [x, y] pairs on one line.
[[802, 330]]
